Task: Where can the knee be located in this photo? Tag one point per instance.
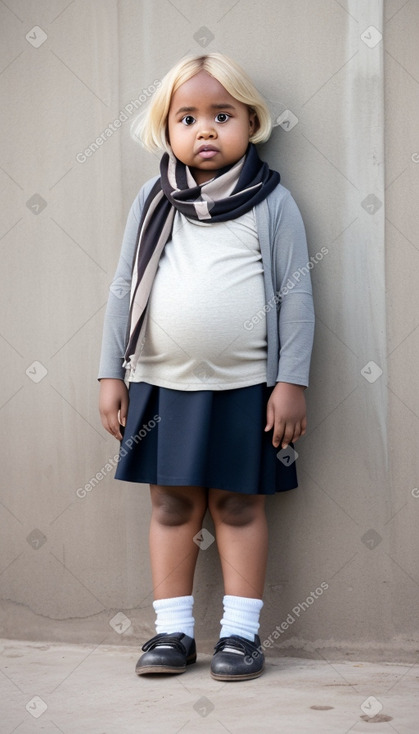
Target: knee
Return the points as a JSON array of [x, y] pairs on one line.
[[171, 509], [236, 509]]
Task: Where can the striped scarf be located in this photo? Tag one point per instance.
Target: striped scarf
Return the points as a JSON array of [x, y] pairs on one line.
[[174, 191]]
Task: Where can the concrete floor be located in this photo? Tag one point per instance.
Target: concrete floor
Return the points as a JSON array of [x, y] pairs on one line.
[[93, 689]]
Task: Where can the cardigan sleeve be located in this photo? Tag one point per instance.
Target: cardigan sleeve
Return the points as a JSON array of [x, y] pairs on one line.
[[117, 309], [292, 268]]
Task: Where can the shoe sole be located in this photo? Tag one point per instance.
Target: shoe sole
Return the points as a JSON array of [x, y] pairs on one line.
[[159, 669], [145, 669], [244, 676]]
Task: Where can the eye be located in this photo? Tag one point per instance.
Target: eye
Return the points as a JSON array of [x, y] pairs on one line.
[[188, 120], [222, 117]]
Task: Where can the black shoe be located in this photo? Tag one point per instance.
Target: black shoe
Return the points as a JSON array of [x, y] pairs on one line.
[[245, 661], [181, 651]]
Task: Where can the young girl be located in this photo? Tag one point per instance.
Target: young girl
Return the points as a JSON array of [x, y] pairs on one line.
[[206, 349]]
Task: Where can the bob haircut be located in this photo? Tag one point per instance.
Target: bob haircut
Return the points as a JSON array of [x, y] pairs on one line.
[[149, 128]]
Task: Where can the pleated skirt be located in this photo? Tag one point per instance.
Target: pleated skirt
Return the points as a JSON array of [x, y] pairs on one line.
[[213, 439]]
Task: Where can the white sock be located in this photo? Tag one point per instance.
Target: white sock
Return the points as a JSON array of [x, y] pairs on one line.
[[175, 615], [241, 616]]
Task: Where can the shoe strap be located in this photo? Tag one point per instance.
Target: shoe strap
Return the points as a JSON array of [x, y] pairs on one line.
[[236, 643], [164, 639]]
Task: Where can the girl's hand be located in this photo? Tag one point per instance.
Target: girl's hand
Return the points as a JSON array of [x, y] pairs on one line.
[[286, 413], [113, 405]]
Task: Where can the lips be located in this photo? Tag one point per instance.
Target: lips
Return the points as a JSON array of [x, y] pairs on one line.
[[207, 151]]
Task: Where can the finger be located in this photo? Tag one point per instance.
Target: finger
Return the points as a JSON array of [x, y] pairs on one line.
[[115, 430], [105, 423], [270, 416], [278, 432], [111, 424], [297, 432], [287, 435], [124, 411]]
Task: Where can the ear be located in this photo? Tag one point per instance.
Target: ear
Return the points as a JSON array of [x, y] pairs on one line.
[[253, 122]]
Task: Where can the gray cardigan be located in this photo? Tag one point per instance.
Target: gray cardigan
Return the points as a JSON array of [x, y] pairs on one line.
[[288, 294]]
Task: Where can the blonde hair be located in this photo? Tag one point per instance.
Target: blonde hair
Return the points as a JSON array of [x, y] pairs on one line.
[[149, 128]]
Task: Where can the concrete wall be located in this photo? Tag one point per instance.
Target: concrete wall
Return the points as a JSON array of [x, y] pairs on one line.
[[342, 576]]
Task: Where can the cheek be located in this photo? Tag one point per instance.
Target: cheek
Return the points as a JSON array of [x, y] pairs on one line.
[[174, 132], [170, 129]]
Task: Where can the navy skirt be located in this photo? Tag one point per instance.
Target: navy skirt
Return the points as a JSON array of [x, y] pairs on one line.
[[204, 438]]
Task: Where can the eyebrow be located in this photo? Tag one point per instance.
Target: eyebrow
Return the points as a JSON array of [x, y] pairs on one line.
[[225, 106]]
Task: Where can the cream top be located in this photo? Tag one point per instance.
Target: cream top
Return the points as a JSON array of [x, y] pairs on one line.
[[208, 284]]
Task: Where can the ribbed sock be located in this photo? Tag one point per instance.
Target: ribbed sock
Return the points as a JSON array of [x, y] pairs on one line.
[[175, 615], [241, 616]]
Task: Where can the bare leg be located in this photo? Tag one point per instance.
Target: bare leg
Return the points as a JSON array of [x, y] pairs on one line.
[[242, 539], [177, 514]]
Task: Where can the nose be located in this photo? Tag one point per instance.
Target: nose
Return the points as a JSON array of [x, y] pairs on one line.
[[206, 133]]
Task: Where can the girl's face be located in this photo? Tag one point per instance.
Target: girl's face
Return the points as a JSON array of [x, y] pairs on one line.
[[207, 127]]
